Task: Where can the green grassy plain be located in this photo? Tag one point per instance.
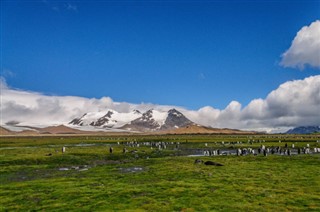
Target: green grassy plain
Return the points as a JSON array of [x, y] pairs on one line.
[[153, 180]]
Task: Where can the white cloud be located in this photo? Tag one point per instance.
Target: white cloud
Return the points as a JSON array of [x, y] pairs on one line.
[[305, 48], [201, 76], [293, 103], [3, 83], [71, 7], [32, 108], [59, 6], [7, 73]]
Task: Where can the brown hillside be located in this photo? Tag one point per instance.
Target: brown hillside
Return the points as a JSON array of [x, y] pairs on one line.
[[27, 132], [61, 129], [197, 129], [4, 131]]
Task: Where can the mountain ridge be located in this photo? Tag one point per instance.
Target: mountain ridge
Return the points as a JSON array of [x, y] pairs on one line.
[[304, 130], [151, 120]]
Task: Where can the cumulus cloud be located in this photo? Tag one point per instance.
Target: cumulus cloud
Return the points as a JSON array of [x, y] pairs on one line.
[[305, 48], [293, 103], [32, 108]]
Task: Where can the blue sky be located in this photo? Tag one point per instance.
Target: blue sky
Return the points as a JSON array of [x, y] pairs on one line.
[[184, 53]]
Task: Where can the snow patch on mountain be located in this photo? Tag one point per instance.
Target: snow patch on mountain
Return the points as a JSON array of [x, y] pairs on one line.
[[159, 117], [109, 118]]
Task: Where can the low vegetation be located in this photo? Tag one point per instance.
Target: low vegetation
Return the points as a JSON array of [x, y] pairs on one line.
[[36, 175]]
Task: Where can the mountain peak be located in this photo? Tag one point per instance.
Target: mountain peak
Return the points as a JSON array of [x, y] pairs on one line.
[[175, 119], [175, 112]]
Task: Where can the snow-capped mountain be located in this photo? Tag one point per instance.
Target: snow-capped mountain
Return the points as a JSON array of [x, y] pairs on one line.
[[151, 120], [154, 120], [109, 118]]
